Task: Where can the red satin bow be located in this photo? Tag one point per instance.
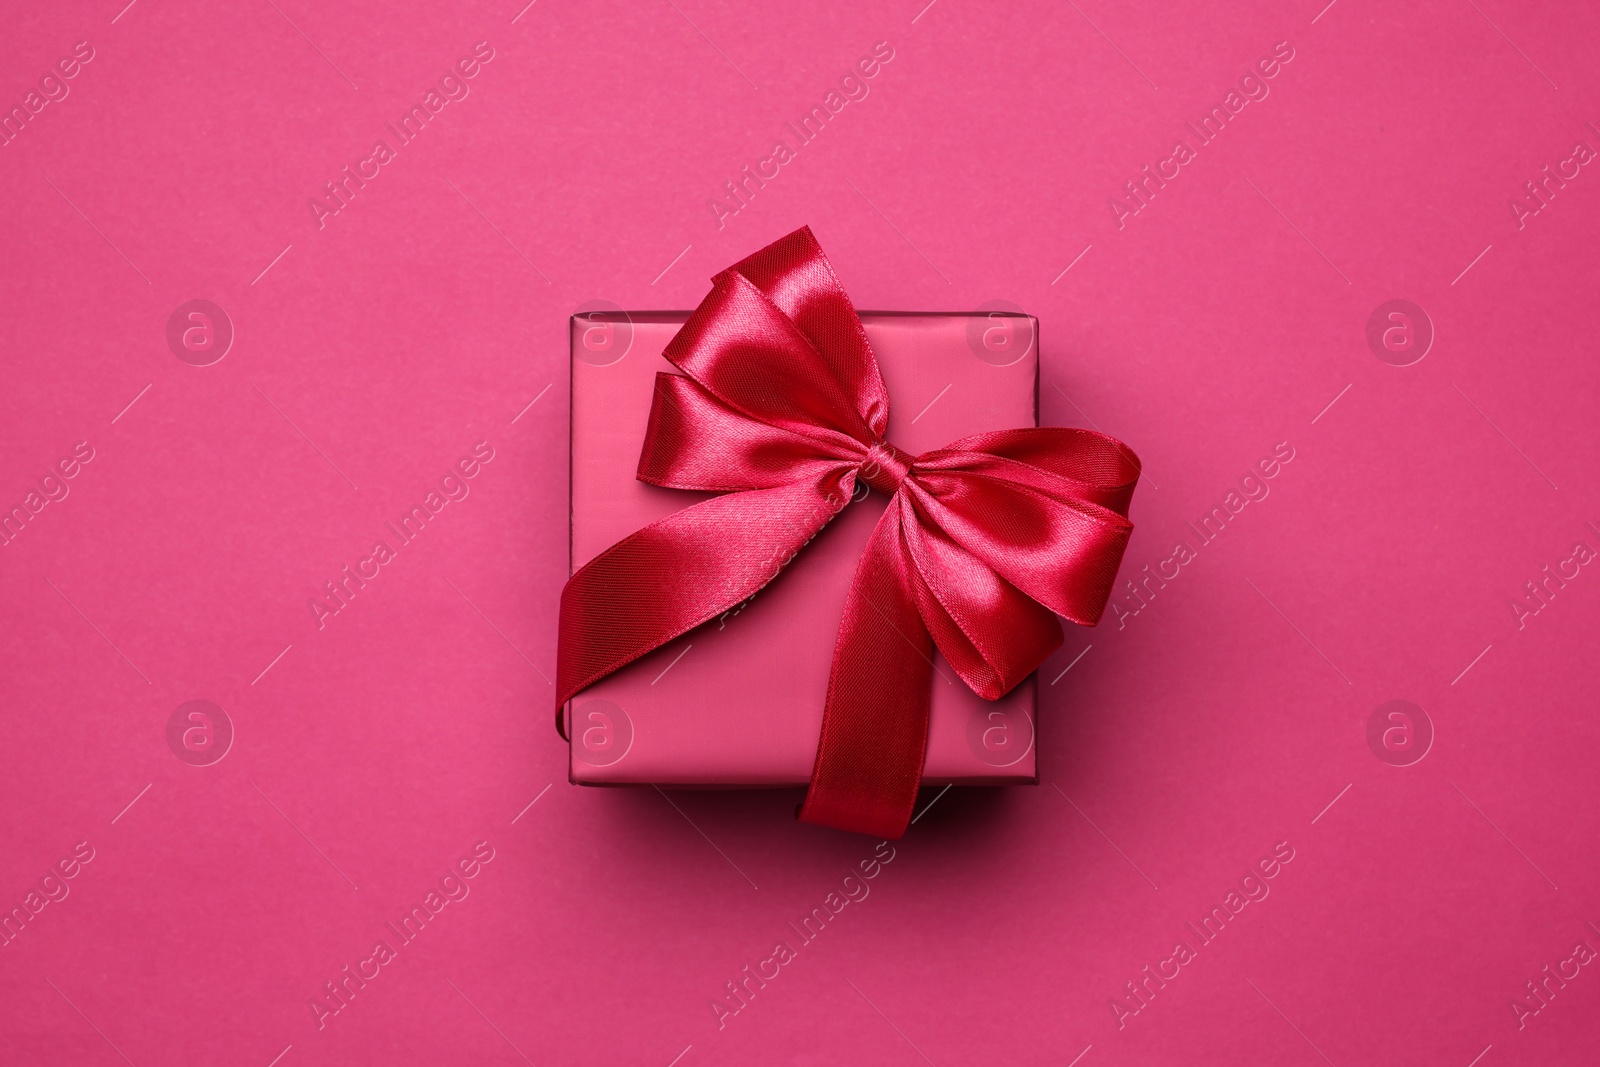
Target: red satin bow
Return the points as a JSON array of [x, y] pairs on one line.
[[780, 408]]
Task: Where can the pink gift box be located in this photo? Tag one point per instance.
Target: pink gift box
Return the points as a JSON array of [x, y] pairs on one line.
[[738, 702]]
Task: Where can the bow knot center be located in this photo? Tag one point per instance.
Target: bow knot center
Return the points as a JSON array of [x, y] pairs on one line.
[[885, 467]]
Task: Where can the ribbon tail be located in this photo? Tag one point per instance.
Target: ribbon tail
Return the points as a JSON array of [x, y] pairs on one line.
[[875, 724], [664, 580]]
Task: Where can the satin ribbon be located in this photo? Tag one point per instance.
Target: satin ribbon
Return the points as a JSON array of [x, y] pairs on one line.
[[780, 408]]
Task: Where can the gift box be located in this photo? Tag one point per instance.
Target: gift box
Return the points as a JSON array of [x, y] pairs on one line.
[[738, 701]]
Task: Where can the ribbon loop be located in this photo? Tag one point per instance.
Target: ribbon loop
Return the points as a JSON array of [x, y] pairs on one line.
[[983, 544]]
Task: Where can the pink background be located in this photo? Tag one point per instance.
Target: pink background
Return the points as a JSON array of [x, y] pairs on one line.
[[372, 754]]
